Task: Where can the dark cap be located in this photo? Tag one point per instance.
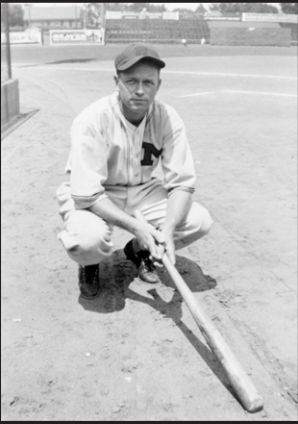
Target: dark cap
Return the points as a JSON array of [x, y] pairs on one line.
[[134, 53]]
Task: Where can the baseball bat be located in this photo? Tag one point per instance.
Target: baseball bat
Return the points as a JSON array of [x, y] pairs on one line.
[[239, 380]]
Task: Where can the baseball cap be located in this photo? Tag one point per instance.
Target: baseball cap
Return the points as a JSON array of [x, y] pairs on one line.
[[134, 53]]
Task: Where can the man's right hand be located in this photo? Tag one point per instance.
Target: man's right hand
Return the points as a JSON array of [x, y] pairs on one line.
[[147, 236], [150, 239]]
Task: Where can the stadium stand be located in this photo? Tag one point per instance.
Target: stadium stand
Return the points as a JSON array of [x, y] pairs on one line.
[[246, 29], [156, 30]]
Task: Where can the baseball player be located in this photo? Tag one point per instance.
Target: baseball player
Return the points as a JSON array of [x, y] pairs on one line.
[[117, 144]]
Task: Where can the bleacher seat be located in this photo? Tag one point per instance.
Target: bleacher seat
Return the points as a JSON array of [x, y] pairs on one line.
[[157, 30]]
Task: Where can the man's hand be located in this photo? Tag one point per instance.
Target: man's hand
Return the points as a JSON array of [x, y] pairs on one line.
[[157, 241], [150, 239], [169, 245]]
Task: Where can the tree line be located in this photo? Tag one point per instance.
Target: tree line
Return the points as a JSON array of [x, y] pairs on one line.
[[93, 10]]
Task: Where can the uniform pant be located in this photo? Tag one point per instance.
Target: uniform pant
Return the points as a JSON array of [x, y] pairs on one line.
[[87, 238]]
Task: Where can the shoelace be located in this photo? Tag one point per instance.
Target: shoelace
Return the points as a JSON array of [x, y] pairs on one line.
[[149, 264]]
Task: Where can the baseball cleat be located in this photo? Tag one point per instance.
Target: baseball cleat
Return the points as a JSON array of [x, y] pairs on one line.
[[145, 267], [89, 281]]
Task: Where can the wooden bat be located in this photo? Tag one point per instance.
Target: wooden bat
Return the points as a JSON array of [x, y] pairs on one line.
[[239, 380]]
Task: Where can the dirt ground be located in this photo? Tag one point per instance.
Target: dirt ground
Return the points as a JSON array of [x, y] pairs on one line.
[[135, 353]]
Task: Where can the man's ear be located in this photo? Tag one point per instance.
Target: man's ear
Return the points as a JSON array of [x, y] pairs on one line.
[[116, 79], [159, 84]]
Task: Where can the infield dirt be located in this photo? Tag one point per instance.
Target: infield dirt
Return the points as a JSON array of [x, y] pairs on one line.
[[135, 353]]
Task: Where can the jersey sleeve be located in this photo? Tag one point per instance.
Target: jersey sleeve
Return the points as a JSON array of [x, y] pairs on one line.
[[87, 164], [177, 160]]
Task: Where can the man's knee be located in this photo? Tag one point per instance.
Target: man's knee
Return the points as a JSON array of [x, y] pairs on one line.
[[86, 238], [198, 223], [203, 220]]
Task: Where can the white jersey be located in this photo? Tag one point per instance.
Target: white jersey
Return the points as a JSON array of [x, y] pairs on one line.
[[107, 150]]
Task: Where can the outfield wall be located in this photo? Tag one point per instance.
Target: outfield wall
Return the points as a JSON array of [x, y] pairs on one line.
[[10, 105], [250, 36], [294, 31]]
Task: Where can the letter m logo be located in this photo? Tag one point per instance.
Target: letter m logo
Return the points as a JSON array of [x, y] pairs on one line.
[[149, 150]]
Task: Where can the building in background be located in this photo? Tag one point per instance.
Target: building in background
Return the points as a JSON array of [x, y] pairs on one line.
[[10, 104], [53, 17]]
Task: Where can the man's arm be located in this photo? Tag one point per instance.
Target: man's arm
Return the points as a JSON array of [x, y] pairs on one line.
[[147, 236], [179, 173], [178, 206]]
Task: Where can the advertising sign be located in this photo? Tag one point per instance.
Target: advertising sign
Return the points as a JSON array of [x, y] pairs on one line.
[[270, 17], [76, 36], [143, 14], [30, 36]]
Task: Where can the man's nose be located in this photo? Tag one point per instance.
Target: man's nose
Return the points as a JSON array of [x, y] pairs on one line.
[[140, 89]]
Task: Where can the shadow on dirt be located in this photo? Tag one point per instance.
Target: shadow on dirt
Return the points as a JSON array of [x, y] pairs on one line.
[[56, 62], [118, 275]]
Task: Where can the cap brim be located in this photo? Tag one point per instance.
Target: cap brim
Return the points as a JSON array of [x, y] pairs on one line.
[[160, 63]]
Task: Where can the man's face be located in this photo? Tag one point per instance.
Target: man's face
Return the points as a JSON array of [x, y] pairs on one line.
[[137, 88]]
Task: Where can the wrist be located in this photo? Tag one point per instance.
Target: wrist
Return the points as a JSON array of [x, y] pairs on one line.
[[168, 229], [136, 227]]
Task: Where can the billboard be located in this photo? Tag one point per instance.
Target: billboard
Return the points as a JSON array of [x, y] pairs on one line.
[[76, 36], [144, 14], [270, 17], [222, 18], [30, 36]]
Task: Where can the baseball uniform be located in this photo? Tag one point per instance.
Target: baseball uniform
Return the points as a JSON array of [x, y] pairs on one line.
[[136, 167]]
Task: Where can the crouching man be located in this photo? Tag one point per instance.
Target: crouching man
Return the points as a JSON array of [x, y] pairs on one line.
[[116, 144]]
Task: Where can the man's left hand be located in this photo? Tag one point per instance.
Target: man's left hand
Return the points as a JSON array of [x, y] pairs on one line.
[[167, 246], [170, 247]]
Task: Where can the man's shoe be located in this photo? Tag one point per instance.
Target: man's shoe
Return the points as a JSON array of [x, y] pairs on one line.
[[89, 281], [145, 267]]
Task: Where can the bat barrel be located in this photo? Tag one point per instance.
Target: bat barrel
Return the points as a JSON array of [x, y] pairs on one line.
[[240, 382]]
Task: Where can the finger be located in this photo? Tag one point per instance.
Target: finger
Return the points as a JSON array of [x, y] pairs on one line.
[[158, 236], [171, 254], [154, 252], [156, 263], [161, 248]]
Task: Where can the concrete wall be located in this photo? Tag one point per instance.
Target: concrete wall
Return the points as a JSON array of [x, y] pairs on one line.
[[250, 37], [10, 104]]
